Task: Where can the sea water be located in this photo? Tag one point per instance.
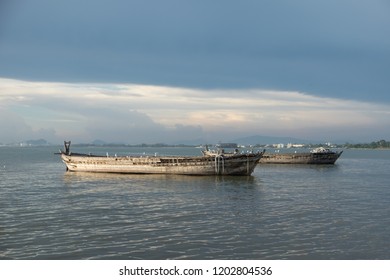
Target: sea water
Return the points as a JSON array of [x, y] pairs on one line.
[[339, 211]]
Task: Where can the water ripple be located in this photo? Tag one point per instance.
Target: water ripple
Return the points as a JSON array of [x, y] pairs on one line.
[[281, 212]]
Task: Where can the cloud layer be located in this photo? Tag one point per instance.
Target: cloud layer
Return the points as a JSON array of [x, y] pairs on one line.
[[328, 48], [134, 113], [169, 71]]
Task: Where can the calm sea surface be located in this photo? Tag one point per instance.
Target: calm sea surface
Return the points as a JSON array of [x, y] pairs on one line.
[[280, 212]]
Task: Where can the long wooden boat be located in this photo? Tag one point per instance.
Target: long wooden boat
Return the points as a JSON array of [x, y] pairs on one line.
[[317, 156], [239, 164]]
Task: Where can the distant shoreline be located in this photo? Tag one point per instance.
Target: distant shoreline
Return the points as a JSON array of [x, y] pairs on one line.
[[191, 146], [381, 144]]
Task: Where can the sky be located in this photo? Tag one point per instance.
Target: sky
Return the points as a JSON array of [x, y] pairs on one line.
[[193, 70]]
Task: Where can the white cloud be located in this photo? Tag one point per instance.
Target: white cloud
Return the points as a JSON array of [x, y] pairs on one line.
[[144, 113]]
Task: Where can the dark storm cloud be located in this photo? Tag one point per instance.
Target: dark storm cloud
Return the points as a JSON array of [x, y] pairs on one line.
[[330, 48]]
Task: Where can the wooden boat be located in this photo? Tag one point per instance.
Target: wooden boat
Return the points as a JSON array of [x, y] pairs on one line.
[[317, 156], [240, 164]]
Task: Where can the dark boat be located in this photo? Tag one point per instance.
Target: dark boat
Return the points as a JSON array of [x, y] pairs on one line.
[[317, 156]]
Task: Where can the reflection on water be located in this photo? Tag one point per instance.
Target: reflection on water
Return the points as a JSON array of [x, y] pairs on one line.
[[74, 179]]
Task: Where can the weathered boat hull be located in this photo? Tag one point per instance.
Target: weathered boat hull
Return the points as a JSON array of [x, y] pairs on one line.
[[198, 165], [300, 158]]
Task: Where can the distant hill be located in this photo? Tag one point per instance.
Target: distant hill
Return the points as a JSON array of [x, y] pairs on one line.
[[39, 142], [99, 142], [198, 141], [249, 140]]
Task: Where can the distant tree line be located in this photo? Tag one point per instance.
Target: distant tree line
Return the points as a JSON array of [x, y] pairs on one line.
[[381, 144], [143, 145]]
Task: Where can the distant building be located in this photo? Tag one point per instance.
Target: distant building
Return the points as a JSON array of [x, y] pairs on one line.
[[290, 145], [279, 146]]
